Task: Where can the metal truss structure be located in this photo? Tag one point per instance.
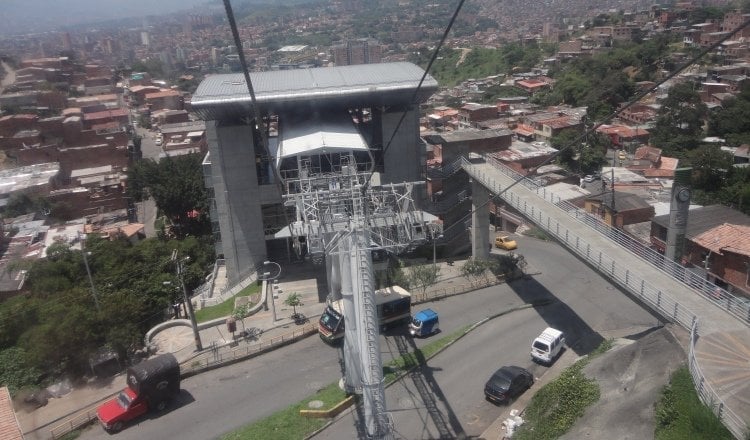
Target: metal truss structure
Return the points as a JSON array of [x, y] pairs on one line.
[[342, 226]]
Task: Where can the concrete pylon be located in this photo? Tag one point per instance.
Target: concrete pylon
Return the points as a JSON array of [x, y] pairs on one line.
[[480, 222]]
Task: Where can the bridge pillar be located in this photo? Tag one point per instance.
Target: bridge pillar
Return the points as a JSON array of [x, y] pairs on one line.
[[480, 222]]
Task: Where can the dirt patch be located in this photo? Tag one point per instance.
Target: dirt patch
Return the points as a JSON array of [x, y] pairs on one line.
[[631, 377]]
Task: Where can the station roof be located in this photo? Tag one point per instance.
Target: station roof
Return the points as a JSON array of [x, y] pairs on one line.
[[226, 96], [318, 135]]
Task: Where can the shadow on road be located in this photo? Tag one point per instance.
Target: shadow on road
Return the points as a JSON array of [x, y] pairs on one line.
[[579, 336]]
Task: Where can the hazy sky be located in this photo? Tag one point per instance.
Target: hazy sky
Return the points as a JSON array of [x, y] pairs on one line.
[[19, 16]]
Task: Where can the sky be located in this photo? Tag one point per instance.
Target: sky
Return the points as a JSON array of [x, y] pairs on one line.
[[25, 16]]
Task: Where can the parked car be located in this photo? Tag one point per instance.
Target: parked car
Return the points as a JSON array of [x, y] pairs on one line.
[[507, 383], [622, 155], [588, 178], [505, 242], [547, 346]]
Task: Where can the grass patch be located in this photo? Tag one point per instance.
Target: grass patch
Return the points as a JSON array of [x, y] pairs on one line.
[[227, 307], [537, 233], [393, 368], [680, 414], [556, 406], [287, 424]]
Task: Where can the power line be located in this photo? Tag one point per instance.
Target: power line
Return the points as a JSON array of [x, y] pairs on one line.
[[416, 91], [615, 113]]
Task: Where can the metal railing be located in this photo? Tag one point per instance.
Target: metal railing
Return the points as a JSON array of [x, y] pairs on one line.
[[665, 305], [733, 304], [710, 397], [222, 355], [74, 423]]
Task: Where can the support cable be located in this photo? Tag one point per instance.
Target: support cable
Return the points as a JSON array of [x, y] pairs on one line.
[[260, 125], [416, 91], [615, 113]]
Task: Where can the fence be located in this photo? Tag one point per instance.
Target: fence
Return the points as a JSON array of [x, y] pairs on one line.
[[229, 292], [662, 303], [227, 354], [710, 398], [734, 305], [74, 423], [432, 293]]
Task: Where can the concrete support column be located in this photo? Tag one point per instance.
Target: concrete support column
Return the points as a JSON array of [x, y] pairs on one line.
[[480, 222]]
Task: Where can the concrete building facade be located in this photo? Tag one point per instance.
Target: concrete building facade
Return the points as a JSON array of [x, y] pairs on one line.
[[248, 212]]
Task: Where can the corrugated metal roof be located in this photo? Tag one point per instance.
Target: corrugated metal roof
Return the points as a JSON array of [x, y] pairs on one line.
[[706, 218], [222, 96], [319, 135]]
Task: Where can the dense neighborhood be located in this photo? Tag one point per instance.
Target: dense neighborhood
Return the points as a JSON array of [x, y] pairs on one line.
[[105, 172]]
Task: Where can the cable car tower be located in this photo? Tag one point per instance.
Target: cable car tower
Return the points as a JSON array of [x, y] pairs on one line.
[[343, 224]]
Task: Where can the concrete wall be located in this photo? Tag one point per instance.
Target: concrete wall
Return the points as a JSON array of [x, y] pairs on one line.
[[237, 197], [405, 159]]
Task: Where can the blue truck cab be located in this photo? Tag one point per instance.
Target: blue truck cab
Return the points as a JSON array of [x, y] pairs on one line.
[[424, 323]]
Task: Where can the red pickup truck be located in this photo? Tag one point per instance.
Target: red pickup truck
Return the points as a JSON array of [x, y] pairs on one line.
[[151, 384]]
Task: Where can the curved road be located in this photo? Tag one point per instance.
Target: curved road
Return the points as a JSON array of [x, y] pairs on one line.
[[586, 307]]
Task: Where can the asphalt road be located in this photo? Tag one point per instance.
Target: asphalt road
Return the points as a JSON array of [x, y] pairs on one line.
[[588, 308]]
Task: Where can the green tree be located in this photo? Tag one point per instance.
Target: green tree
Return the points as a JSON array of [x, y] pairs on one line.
[[679, 124], [475, 270], [294, 300], [710, 165], [732, 120], [423, 275], [176, 184], [15, 371]]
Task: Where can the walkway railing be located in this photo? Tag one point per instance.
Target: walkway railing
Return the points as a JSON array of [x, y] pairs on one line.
[[710, 397], [733, 304], [665, 305]]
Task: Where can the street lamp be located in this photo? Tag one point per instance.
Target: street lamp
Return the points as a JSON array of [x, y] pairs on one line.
[[434, 253], [188, 302], [267, 277], [88, 272]]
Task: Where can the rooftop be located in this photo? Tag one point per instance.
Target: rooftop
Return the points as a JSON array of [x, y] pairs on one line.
[[226, 95]]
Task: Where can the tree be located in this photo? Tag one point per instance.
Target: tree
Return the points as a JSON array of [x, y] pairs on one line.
[[710, 164], [732, 120], [474, 269], [294, 300], [176, 184], [423, 275], [679, 124], [15, 371], [58, 324]]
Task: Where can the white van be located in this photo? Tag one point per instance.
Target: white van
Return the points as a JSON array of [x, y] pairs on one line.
[[547, 346]]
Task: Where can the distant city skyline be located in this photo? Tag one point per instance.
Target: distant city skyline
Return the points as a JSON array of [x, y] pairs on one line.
[[30, 16]]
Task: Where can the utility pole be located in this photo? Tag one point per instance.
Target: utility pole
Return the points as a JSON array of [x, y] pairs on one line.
[[188, 303], [91, 280]]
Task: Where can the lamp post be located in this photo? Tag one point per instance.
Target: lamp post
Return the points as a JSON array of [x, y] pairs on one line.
[[188, 302], [88, 272], [267, 277], [434, 249]]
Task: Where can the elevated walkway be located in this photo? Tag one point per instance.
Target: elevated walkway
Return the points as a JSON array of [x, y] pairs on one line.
[[720, 344]]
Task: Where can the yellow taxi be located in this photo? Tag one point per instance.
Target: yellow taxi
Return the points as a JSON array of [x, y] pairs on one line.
[[505, 242]]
